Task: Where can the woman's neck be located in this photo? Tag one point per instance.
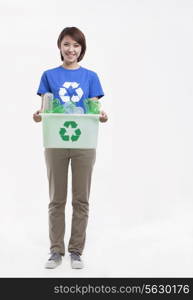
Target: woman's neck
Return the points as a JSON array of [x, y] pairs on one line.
[[70, 66]]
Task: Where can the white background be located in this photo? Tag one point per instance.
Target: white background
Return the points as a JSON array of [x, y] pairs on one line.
[[141, 206]]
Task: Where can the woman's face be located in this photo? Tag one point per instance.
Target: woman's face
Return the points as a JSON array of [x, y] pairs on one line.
[[70, 49]]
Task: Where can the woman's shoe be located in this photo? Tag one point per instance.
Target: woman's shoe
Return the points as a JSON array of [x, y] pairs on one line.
[[76, 261], [54, 260]]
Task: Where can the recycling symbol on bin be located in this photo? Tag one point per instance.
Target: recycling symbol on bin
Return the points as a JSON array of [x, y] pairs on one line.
[[70, 126]]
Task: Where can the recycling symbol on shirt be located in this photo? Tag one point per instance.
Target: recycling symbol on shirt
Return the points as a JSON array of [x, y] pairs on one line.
[[70, 91], [70, 127]]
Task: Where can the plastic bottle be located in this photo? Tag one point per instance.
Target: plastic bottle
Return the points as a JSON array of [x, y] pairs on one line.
[[92, 106], [47, 102]]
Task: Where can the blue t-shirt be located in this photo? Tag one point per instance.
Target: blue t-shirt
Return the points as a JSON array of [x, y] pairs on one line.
[[75, 85]]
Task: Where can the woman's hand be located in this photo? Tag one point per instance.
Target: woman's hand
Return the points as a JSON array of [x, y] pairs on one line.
[[36, 116], [103, 116]]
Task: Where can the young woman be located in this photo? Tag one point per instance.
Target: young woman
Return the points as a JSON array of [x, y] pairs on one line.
[[69, 81]]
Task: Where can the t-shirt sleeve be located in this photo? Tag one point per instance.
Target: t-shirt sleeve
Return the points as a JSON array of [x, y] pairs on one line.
[[44, 85], [95, 88]]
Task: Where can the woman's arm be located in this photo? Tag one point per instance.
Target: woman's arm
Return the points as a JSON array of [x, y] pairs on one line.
[[94, 98], [103, 116], [36, 116]]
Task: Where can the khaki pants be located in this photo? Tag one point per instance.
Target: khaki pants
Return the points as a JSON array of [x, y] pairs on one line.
[[57, 162]]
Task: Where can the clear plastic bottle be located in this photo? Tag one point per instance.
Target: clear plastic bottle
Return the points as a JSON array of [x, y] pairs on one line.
[[47, 102]]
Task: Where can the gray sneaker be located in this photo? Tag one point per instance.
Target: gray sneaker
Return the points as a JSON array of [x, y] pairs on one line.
[[54, 260], [76, 261]]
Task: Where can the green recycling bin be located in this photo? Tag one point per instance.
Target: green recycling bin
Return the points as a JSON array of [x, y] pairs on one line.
[[70, 130]]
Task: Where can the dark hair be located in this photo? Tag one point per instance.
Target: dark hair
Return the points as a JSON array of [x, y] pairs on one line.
[[76, 35]]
